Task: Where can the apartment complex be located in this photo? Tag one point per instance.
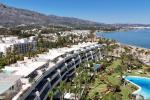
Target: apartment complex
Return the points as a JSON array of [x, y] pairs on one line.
[[8, 44], [33, 78]]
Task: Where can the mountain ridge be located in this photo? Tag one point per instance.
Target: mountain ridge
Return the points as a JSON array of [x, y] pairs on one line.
[[16, 16]]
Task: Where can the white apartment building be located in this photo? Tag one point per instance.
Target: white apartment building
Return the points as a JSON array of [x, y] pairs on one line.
[[20, 45], [35, 77], [76, 32]]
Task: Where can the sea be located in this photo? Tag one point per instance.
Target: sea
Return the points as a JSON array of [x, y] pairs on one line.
[[136, 37]]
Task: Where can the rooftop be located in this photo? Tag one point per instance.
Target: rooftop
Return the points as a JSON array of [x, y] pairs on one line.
[[13, 40], [6, 81], [26, 67], [6, 42], [54, 53]]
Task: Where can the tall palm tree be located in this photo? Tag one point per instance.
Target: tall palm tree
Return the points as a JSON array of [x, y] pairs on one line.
[[127, 50], [50, 95], [8, 55], [68, 87], [61, 89], [92, 35]]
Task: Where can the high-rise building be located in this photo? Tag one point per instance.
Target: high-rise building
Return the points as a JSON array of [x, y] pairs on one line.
[[35, 77], [8, 44]]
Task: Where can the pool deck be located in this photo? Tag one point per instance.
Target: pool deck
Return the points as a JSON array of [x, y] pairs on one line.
[[139, 88], [6, 81], [137, 92]]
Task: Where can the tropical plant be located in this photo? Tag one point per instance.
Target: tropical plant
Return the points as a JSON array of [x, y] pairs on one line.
[[61, 89]]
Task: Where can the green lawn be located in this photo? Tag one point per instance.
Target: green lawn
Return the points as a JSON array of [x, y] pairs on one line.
[[125, 91], [115, 63], [114, 79], [97, 88]]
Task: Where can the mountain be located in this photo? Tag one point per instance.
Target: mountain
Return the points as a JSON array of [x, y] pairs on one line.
[[71, 21], [16, 16]]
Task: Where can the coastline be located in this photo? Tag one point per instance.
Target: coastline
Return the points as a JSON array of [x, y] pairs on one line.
[[142, 53], [127, 37], [119, 30], [143, 57], [134, 46]]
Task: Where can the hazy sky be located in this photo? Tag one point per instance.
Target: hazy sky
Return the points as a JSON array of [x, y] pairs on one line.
[[107, 11]]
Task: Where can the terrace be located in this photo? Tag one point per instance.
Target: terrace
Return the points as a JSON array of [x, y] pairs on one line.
[[9, 85]]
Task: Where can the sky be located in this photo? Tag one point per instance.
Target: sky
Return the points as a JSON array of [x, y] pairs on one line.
[[105, 11]]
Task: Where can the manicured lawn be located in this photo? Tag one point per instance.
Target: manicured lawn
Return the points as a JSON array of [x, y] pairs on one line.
[[125, 91], [115, 63], [97, 88], [114, 79]]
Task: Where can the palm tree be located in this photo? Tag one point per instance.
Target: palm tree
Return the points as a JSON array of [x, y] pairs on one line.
[[76, 88], [96, 96], [92, 35], [50, 95], [61, 89], [8, 55], [127, 49], [147, 53], [2, 62], [78, 81], [68, 87], [1, 54], [30, 51], [14, 54], [142, 51]]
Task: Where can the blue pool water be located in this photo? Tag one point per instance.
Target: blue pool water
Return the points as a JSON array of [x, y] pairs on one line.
[[7, 72], [143, 83], [139, 38]]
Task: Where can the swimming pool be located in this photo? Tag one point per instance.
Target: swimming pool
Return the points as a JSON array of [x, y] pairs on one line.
[[143, 83], [7, 72]]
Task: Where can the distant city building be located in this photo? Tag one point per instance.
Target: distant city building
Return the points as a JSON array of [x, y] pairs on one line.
[[84, 33], [18, 45]]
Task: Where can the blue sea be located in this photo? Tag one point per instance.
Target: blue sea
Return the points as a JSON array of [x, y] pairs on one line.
[[139, 37]]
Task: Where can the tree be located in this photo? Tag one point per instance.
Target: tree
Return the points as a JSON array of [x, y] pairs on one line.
[[91, 35], [2, 62], [51, 94], [8, 55], [61, 89], [96, 96]]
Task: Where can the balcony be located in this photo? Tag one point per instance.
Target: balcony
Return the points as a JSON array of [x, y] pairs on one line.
[[76, 57], [44, 94], [63, 68], [41, 86], [31, 97], [68, 61], [63, 72], [52, 75], [70, 67], [61, 65], [90, 58], [64, 78], [55, 81], [71, 72], [89, 54], [77, 62]]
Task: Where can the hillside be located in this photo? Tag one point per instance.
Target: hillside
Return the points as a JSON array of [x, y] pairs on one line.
[[15, 16]]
